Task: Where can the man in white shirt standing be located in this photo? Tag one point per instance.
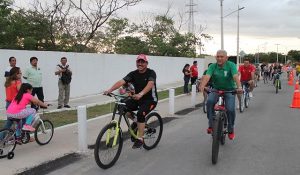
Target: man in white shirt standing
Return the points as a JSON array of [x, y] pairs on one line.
[[64, 74]]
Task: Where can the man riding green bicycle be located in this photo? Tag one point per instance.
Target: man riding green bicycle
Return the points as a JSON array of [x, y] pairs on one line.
[[145, 98]]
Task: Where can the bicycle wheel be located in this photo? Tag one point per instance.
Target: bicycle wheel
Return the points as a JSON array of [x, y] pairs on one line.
[[247, 100], [44, 132], [216, 138], [276, 86], [204, 105], [7, 142], [153, 130], [223, 130], [106, 153], [241, 103]]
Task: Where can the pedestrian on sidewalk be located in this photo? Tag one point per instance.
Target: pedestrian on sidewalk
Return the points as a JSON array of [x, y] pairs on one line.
[[187, 76], [194, 73], [64, 73], [12, 64], [33, 75]]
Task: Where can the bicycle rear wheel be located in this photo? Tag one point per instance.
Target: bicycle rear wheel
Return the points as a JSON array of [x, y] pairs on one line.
[[223, 125], [216, 139], [276, 86], [247, 100], [108, 146], [7, 142], [44, 133], [153, 130], [241, 103], [204, 105]]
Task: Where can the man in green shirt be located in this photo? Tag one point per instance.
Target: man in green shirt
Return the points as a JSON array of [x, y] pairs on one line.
[[224, 76], [33, 75]]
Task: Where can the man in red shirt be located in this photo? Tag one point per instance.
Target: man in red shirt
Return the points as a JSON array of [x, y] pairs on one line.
[[247, 73], [194, 72]]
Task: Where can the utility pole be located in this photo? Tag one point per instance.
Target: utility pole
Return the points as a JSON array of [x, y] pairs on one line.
[[222, 33], [277, 52], [191, 12]]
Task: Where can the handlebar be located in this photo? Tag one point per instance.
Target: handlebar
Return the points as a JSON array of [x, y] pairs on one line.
[[220, 92]]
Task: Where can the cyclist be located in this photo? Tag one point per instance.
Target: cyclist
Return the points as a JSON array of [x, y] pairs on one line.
[[224, 76], [257, 72], [246, 72], [145, 98], [277, 69], [17, 109], [265, 72]]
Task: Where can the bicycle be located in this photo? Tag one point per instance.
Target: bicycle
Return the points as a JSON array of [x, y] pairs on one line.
[[277, 82], [245, 98], [43, 128], [265, 77], [220, 123], [111, 138]]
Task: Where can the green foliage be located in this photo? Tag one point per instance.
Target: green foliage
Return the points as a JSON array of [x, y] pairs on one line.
[[294, 55], [131, 45]]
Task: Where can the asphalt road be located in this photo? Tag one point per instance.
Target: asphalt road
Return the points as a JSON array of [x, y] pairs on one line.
[[267, 143]]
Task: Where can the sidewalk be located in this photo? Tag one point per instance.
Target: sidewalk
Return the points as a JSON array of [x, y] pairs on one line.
[[90, 100], [65, 139]]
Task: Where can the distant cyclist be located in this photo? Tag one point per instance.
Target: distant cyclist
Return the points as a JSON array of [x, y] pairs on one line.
[[277, 69], [224, 76], [145, 98], [247, 72]]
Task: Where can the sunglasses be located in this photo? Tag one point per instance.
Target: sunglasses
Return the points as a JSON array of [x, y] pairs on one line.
[[141, 61]]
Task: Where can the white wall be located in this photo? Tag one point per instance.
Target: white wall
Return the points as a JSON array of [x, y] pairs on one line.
[[92, 73]]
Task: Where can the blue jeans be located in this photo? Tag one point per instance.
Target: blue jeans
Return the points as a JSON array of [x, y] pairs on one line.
[[229, 105]]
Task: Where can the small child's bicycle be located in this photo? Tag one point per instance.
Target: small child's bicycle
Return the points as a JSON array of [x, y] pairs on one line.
[[109, 142], [43, 134]]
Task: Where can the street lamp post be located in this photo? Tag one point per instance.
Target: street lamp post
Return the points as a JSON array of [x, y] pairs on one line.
[[222, 34], [277, 52]]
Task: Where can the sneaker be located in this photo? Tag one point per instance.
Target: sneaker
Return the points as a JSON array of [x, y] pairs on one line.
[[250, 94], [138, 143], [59, 107], [67, 106], [19, 140], [231, 136], [209, 130], [28, 128]]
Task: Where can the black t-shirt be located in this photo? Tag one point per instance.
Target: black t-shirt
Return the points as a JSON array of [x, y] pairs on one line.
[[186, 71], [140, 81], [277, 69]]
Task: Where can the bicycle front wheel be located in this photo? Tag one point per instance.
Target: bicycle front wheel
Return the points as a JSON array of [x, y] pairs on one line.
[[7, 142], [241, 103], [216, 139], [153, 130], [44, 132], [108, 146], [276, 85]]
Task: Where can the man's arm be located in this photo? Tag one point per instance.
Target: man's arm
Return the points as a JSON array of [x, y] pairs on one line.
[[117, 85], [237, 81], [148, 87]]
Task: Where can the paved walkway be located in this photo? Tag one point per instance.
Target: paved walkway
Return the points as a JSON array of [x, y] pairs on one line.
[[65, 139]]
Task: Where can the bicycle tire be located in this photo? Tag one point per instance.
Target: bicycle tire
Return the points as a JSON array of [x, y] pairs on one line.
[[241, 105], [101, 145], [39, 130], [247, 100], [276, 86], [216, 139], [222, 134], [7, 140], [204, 105], [151, 128], [25, 137]]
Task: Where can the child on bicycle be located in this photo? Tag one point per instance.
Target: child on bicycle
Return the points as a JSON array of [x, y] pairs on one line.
[[17, 109]]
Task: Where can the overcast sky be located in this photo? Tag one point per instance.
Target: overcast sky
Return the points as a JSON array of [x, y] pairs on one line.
[[263, 23]]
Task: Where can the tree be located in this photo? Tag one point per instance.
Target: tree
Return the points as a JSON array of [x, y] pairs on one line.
[[294, 54], [131, 45]]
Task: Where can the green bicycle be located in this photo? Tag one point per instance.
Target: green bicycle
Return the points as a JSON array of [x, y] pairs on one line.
[[109, 142], [277, 82]]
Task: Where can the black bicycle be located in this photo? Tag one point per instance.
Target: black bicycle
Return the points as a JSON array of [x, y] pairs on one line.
[[109, 142]]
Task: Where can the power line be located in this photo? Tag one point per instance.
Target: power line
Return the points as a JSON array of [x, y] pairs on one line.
[[191, 11]]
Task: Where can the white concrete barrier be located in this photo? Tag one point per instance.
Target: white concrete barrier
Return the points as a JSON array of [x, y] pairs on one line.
[[82, 129], [171, 101]]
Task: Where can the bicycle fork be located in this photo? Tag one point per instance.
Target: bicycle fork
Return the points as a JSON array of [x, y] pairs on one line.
[[116, 135]]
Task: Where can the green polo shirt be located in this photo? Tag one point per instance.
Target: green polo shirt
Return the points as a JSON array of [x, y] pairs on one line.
[[34, 76], [222, 77]]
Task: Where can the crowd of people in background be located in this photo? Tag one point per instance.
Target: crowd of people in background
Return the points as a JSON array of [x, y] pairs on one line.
[[19, 93]]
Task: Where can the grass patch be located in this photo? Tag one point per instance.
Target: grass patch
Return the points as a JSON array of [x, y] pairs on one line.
[[70, 116]]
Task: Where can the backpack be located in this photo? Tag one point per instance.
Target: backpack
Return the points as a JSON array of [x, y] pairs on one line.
[[66, 76]]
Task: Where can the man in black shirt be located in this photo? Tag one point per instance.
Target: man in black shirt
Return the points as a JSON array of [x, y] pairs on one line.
[[145, 98]]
